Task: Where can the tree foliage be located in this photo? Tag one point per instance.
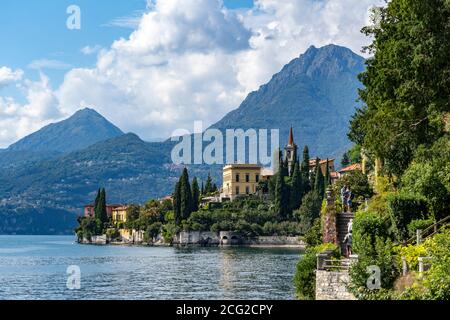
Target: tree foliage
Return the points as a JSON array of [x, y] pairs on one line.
[[406, 83]]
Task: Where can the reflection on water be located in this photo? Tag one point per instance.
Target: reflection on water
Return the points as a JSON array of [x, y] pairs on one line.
[[34, 267]]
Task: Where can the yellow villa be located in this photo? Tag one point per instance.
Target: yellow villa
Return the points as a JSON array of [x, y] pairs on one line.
[[119, 214], [240, 179]]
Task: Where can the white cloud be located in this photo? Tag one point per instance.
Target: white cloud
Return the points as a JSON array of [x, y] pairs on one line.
[[42, 64], [8, 76], [88, 50], [18, 120], [195, 59], [130, 22]]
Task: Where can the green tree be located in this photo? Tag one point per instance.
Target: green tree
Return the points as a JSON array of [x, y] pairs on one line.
[[319, 181], [345, 160], [97, 199], [281, 197], [185, 195], [309, 210], [100, 209], [406, 83], [327, 175], [284, 165], [104, 213], [296, 188], [305, 170], [294, 157], [208, 185], [177, 203], [195, 195]]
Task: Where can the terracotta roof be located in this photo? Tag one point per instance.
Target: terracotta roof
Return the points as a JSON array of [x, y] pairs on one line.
[[351, 167], [312, 163]]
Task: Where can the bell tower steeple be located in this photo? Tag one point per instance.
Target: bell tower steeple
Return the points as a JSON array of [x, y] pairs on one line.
[[291, 151]]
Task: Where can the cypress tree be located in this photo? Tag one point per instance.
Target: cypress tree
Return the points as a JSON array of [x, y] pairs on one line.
[[208, 185], [96, 211], [177, 203], [284, 168], [319, 181], [281, 196], [327, 175], [102, 204], [294, 162], [203, 189], [305, 171], [195, 195], [345, 160], [185, 195], [296, 188]]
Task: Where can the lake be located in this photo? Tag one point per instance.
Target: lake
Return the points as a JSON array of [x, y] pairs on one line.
[[35, 267]]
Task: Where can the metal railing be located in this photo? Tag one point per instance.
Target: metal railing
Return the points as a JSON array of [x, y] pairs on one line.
[[336, 265], [428, 232]]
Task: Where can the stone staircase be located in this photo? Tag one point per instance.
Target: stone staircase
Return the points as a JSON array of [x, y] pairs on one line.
[[342, 220]]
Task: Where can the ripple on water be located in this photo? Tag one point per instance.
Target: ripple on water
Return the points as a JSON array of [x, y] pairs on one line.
[[35, 268]]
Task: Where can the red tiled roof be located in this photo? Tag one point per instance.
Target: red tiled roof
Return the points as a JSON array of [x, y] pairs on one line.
[[352, 167], [312, 163]]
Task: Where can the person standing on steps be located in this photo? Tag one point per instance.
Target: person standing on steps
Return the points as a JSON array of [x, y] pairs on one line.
[[348, 241], [350, 226], [349, 199]]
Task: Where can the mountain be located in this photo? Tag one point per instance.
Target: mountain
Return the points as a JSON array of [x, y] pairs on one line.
[[315, 93], [81, 130]]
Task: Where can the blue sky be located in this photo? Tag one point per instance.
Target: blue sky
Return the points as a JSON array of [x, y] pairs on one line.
[[155, 69], [36, 30]]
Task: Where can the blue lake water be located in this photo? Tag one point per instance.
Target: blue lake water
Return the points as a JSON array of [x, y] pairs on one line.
[[35, 267]]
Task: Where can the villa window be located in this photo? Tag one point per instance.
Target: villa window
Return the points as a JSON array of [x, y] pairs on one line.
[[237, 190], [247, 190], [247, 178], [257, 178], [237, 178]]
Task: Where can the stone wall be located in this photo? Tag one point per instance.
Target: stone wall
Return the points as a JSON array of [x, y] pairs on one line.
[[196, 237], [331, 285], [276, 241], [208, 238]]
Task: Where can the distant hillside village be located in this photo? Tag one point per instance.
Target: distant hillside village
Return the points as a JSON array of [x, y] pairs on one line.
[[242, 183]]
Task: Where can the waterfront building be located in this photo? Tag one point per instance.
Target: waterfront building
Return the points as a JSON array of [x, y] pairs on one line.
[[323, 166], [240, 180], [89, 210], [120, 214]]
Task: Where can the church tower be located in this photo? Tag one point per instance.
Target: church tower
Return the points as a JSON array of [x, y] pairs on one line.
[[291, 151]]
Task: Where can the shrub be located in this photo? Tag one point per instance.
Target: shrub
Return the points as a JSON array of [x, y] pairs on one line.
[[112, 234], [437, 278], [411, 253], [403, 208], [169, 230], [367, 226], [419, 224], [305, 276], [309, 210], [382, 257], [313, 236]]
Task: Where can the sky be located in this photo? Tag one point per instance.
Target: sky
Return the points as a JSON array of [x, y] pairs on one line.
[[154, 66]]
